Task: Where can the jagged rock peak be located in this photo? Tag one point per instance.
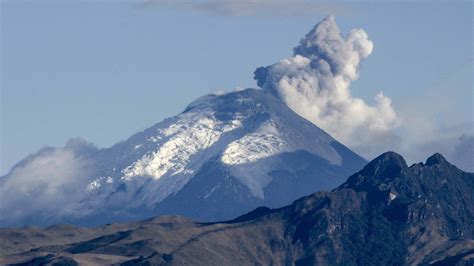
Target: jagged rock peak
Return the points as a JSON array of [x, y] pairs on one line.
[[436, 159], [387, 165], [378, 173]]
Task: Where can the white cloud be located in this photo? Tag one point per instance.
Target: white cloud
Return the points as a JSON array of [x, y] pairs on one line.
[[50, 181], [315, 84]]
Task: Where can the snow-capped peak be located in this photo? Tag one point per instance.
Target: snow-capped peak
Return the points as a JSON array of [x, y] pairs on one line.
[[222, 156], [240, 129]]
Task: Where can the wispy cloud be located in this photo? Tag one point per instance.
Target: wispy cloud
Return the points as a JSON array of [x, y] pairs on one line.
[[457, 149], [259, 8], [433, 121]]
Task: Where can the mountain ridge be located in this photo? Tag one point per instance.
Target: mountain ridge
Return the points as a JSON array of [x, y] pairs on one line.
[[422, 214]]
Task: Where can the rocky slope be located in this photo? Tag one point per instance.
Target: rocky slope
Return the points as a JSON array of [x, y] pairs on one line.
[[386, 214]]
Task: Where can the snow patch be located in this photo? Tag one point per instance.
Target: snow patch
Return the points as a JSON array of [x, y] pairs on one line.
[[392, 196], [94, 185], [98, 182], [263, 143], [154, 138], [192, 133], [210, 192], [240, 155]]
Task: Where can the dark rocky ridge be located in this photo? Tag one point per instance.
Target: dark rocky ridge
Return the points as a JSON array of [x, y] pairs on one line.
[[386, 214]]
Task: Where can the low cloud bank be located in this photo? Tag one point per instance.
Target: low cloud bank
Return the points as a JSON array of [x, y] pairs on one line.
[[458, 150], [50, 181]]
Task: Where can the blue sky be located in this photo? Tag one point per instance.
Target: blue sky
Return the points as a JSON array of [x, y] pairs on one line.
[[103, 71]]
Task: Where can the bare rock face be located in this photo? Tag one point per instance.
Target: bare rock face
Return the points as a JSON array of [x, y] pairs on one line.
[[386, 214]]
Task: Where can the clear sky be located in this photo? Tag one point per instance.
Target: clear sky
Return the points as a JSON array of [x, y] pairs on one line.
[[103, 70]]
